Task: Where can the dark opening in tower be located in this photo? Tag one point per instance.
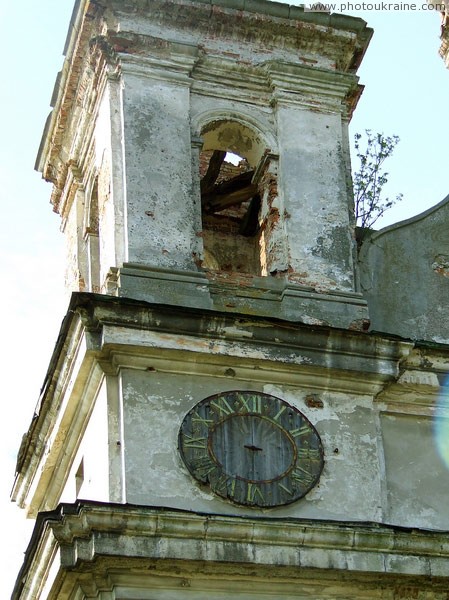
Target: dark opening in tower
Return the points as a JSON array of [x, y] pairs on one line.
[[231, 197]]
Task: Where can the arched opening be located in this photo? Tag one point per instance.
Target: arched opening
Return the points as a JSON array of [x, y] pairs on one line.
[[231, 197]]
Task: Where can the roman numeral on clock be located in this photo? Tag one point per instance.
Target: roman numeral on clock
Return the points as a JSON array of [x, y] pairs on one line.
[[252, 404], [195, 442]]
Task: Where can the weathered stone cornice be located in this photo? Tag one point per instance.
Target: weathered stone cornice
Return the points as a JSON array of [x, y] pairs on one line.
[[421, 385], [88, 537], [236, 81], [340, 38], [81, 520], [278, 82], [175, 68], [312, 87], [346, 350]]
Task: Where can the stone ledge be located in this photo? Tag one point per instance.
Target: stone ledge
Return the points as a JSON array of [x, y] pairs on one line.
[[247, 294], [270, 9], [85, 532]]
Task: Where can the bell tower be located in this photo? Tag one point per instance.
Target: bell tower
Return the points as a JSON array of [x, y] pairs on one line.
[[136, 149], [215, 418]]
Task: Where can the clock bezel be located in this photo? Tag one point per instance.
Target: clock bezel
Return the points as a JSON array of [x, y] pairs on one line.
[[194, 445]]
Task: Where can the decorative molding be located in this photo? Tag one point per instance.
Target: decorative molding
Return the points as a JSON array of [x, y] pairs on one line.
[[338, 39], [311, 87], [99, 542], [175, 67], [255, 295]]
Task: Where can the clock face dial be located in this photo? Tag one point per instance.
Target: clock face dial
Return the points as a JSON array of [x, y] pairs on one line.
[[251, 448]]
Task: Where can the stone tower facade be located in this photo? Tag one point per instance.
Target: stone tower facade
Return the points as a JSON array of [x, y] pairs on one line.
[[216, 418], [155, 100]]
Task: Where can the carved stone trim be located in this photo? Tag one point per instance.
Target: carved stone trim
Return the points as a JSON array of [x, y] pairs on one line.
[[103, 539]]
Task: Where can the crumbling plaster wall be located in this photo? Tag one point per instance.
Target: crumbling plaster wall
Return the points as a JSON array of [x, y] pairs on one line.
[[404, 273], [375, 469], [207, 25], [379, 463], [313, 181], [157, 154], [155, 403]]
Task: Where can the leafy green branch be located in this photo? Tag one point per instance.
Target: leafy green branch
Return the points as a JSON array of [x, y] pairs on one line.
[[370, 179]]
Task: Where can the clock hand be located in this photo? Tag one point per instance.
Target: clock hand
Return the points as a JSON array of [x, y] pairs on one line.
[[253, 448]]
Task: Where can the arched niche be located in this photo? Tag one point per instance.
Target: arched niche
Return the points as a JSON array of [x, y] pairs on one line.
[[236, 137], [232, 196]]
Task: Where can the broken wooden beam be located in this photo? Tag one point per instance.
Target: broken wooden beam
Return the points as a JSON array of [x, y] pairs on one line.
[[213, 170]]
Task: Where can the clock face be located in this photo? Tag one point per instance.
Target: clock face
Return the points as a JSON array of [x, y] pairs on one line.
[[251, 448]]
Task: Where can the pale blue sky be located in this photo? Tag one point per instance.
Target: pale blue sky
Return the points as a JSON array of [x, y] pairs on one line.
[[407, 92]]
